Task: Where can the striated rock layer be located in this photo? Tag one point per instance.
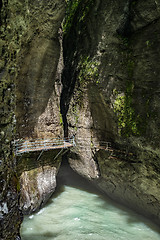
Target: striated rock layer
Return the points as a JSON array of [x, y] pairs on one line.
[[37, 179], [110, 97]]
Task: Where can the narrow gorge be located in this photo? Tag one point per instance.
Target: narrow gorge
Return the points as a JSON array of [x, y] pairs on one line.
[[86, 69]]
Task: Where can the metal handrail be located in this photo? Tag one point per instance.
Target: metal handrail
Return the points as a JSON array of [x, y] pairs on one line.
[[30, 145], [27, 145]]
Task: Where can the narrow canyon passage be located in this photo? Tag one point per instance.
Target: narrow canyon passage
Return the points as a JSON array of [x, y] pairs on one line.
[[88, 69], [78, 211]]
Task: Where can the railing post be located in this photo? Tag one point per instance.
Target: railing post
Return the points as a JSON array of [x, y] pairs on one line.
[[64, 143], [45, 144], [25, 144], [15, 147], [107, 146], [74, 143]]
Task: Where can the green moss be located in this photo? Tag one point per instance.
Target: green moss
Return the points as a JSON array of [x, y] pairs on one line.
[[18, 186], [71, 8], [88, 71], [61, 119], [85, 9], [78, 9], [128, 121], [148, 43]]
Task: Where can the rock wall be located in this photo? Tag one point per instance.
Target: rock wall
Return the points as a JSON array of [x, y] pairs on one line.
[[30, 70], [111, 94], [37, 179], [38, 80], [38, 87]]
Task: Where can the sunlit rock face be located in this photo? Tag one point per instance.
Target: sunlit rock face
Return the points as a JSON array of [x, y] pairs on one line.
[[37, 175], [38, 79], [111, 94], [37, 187]]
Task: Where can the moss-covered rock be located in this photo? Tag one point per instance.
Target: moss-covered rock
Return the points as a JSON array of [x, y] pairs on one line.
[[29, 56], [10, 215]]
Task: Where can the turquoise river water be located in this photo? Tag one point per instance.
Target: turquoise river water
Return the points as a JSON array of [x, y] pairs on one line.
[[77, 211]]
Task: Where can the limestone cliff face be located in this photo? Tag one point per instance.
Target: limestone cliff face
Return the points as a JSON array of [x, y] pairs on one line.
[[111, 94]]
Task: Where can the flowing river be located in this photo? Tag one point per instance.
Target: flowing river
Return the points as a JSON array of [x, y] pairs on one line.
[[77, 211]]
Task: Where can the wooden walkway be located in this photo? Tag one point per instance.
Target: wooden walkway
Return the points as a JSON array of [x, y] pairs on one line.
[[32, 145]]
